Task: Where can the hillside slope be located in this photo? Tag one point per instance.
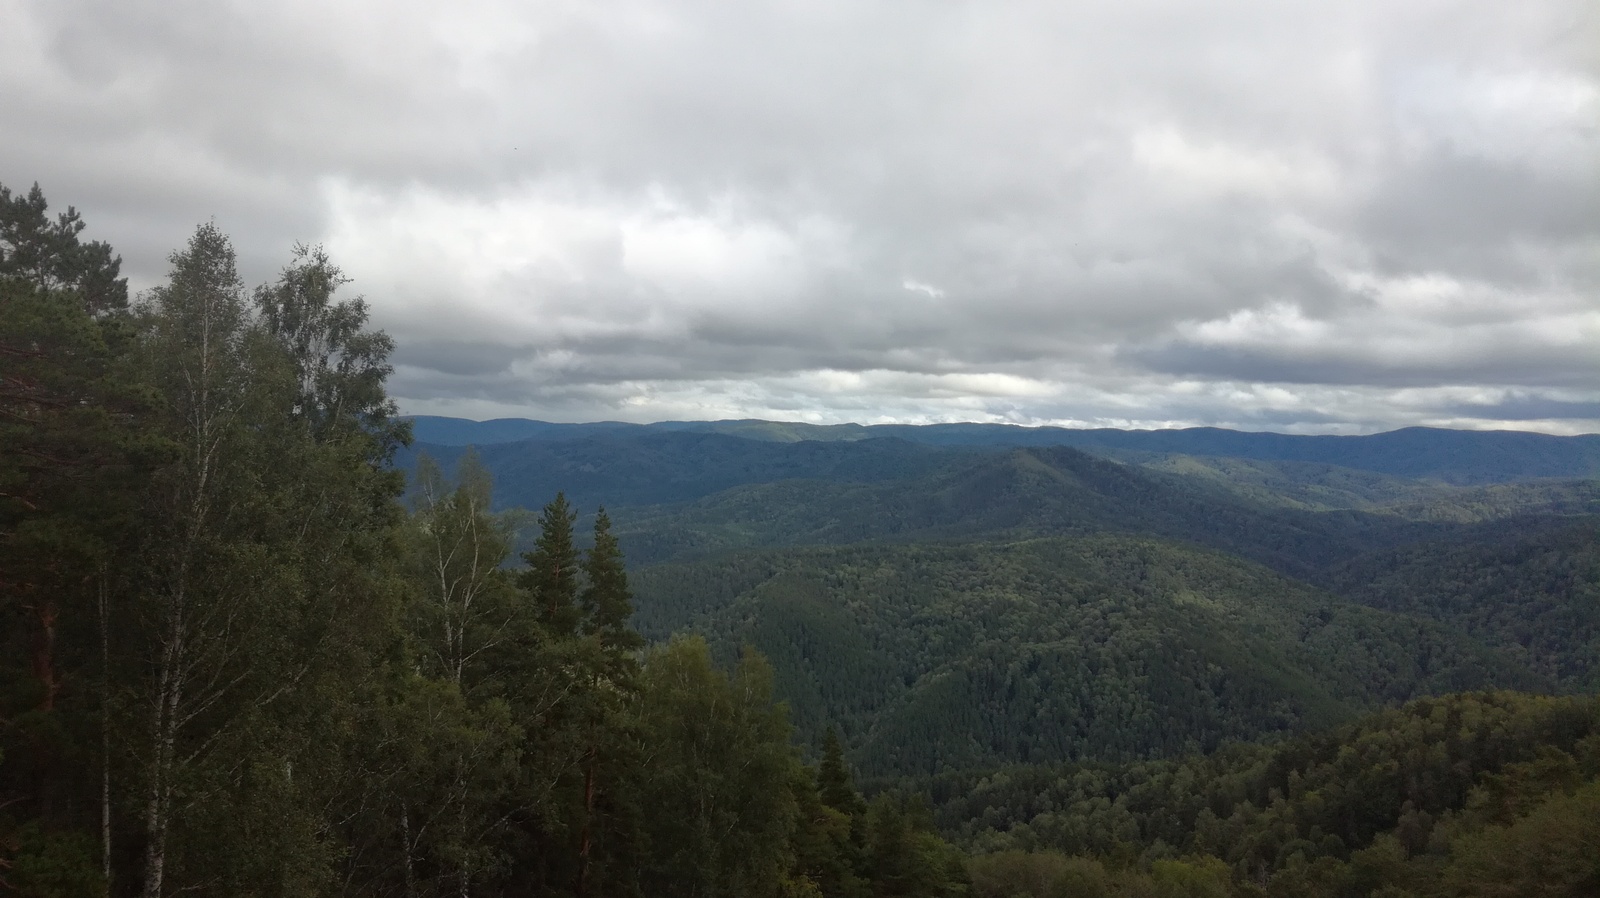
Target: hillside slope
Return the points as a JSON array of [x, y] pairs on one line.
[[1014, 494], [645, 468], [945, 657], [1533, 589]]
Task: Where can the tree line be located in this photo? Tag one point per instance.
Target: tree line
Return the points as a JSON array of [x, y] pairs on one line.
[[239, 663]]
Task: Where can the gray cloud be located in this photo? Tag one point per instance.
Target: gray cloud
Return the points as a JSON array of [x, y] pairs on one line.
[[1329, 217], [1534, 408]]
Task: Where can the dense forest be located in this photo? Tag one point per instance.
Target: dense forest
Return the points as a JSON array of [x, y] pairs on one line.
[[237, 665], [259, 642]]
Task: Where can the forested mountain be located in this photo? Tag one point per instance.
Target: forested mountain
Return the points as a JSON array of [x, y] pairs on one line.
[[1532, 588], [1315, 486], [1425, 453], [933, 657], [256, 644], [632, 469], [1021, 493]]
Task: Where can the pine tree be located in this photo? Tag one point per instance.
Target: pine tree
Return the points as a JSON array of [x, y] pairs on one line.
[[49, 255], [74, 454]]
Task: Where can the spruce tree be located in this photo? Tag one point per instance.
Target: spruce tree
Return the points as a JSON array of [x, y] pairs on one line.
[[834, 783], [551, 579], [606, 600]]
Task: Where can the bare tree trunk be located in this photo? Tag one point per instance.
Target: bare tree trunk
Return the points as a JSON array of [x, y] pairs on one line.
[[405, 847], [158, 806], [155, 852]]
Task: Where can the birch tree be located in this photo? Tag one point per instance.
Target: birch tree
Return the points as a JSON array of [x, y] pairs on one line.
[[196, 342], [271, 574]]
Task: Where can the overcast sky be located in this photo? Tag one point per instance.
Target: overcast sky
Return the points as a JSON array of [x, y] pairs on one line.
[[1312, 217]]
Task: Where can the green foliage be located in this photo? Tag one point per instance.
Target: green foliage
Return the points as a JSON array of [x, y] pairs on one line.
[[340, 366], [49, 256], [1533, 590], [906, 857], [551, 578], [467, 603], [1099, 647], [715, 776], [606, 601], [835, 787], [1019, 494], [1414, 453], [53, 864], [1359, 801], [1550, 850], [618, 469], [1313, 486]]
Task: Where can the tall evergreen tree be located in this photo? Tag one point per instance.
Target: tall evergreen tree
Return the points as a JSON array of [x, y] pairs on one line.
[[834, 783], [551, 580], [606, 600], [73, 457], [606, 603]]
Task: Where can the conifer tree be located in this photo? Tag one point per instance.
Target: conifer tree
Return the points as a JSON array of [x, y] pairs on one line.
[[50, 257], [834, 783], [551, 579], [607, 601], [73, 456]]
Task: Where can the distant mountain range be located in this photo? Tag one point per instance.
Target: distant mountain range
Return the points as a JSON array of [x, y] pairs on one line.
[[1449, 456], [961, 596]]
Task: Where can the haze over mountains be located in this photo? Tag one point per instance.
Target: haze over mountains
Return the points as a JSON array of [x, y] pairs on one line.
[[961, 596]]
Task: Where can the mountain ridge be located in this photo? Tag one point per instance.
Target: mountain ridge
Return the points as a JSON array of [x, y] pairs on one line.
[[1463, 457]]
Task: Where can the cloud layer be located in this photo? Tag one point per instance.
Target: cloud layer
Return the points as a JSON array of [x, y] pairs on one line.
[[1331, 217]]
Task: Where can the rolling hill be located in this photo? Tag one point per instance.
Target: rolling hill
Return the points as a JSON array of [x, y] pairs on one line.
[[957, 597], [648, 468], [1532, 589], [939, 657], [1014, 494]]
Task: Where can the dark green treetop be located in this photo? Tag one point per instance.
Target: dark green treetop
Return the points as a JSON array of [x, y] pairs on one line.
[[834, 782], [606, 601], [551, 579], [50, 256]]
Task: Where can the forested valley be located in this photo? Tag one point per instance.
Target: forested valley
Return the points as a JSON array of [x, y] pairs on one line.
[[264, 636]]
